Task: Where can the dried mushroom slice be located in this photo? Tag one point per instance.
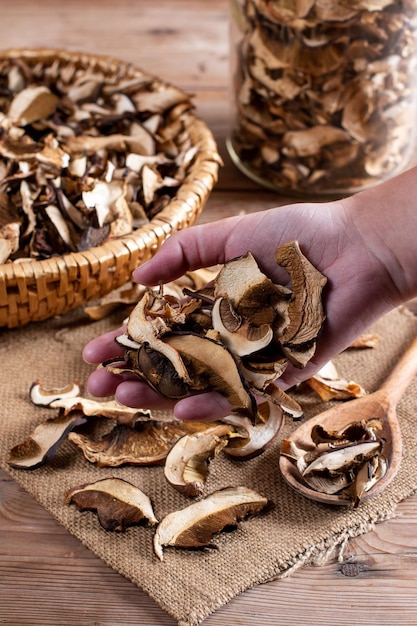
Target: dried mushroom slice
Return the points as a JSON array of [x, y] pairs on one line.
[[256, 438], [43, 396], [144, 444], [305, 308], [251, 294], [44, 441], [108, 408], [118, 503], [239, 336], [194, 526], [329, 385], [186, 466], [212, 367]]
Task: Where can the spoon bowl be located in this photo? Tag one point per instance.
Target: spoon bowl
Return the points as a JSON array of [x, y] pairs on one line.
[[380, 404]]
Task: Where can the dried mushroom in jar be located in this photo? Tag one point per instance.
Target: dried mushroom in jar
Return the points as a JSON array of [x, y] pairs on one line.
[[325, 92]]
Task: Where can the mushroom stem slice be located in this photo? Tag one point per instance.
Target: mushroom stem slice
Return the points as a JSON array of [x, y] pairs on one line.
[[186, 466], [118, 503], [194, 526]]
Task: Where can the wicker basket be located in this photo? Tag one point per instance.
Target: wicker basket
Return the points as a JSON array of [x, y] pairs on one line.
[[37, 290]]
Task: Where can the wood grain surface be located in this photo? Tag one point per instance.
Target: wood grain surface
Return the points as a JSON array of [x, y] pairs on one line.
[[47, 578]]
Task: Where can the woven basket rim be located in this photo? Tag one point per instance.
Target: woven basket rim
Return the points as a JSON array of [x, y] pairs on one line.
[[181, 210]]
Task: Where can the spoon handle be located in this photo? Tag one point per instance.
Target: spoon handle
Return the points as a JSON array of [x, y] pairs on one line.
[[402, 374]]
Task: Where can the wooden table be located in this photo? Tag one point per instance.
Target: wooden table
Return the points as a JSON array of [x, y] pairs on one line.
[[46, 576]]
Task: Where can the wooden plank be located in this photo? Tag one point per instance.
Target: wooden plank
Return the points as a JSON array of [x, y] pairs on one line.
[[46, 573]]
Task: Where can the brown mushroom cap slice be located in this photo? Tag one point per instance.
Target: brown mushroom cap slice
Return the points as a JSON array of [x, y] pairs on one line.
[[118, 503], [186, 466], [194, 526], [148, 443], [42, 396], [42, 444], [259, 436], [212, 367]]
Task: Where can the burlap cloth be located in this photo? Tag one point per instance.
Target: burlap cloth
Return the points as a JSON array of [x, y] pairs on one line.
[[189, 585]]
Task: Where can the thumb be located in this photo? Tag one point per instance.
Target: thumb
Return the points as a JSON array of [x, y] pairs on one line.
[[190, 249]]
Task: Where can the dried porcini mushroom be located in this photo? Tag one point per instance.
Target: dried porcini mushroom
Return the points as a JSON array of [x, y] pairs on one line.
[[346, 463], [324, 92], [329, 385], [118, 503], [41, 396], [194, 526], [186, 465], [234, 336], [144, 443], [44, 441], [86, 155], [256, 438]]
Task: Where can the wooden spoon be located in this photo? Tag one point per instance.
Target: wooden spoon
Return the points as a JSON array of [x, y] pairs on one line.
[[379, 404]]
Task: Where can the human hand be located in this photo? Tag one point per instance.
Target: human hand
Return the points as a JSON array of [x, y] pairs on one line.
[[342, 241]]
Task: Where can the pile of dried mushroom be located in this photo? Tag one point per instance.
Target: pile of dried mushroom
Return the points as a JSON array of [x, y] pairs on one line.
[[85, 155], [235, 336], [325, 91]]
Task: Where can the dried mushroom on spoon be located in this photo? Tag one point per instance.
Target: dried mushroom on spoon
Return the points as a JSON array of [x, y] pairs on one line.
[[234, 336], [346, 463]]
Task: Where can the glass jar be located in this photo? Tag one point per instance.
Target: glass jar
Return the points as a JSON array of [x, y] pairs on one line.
[[324, 92]]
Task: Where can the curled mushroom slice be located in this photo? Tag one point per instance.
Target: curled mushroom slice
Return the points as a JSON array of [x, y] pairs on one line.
[[258, 437], [194, 526], [251, 294], [42, 444], [118, 503], [186, 466], [43, 396], [305, 307], [329, 385], [238, 335]]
